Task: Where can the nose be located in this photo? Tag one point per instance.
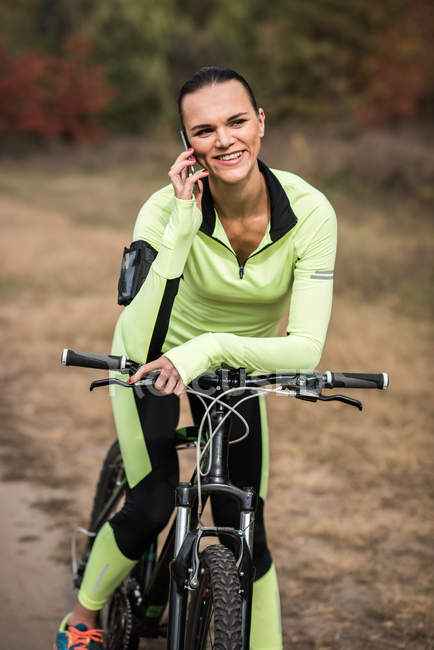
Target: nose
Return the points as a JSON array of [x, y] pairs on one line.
[[224, 138]]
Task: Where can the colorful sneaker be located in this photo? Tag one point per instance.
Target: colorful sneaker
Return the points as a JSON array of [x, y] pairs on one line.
[[78, 637]]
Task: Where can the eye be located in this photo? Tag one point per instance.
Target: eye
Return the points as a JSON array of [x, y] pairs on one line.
[[203, 132], [239, 122]]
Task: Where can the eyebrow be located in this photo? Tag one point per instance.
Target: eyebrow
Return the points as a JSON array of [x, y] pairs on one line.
[[233, 117]]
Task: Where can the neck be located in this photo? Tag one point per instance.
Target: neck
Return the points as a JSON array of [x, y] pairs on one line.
[[236, 201]]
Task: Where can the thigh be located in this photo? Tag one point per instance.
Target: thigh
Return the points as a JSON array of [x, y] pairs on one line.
[[150, 501], [158, 416]]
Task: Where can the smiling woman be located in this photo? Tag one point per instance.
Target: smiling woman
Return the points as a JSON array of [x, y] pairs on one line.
[[224, 264], [228, 142]]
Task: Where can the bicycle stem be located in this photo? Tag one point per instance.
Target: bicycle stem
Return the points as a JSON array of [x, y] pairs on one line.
[[218, 472]]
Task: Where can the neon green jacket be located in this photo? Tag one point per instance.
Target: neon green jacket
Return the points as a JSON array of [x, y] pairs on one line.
[[203, 309]]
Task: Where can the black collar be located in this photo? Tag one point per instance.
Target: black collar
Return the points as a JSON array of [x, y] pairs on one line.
[[282, 215]]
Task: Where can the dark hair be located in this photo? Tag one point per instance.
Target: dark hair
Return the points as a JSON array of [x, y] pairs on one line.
[[212, 75]]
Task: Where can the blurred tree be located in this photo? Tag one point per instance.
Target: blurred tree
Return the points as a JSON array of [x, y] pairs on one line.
[[133, 39], [309, 56], [221, 33], [52, 96], [322, 60], [17, 25], [399, 74]]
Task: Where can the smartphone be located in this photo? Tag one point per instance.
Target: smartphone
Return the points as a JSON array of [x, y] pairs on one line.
[[186, 144]]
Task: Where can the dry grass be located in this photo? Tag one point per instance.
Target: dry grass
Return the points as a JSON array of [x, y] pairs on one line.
[[351, 495]]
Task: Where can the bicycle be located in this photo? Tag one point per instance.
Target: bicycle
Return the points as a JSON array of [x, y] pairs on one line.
[[208, 592]]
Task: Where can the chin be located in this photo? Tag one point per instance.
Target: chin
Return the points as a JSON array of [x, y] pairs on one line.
[[234, 175]]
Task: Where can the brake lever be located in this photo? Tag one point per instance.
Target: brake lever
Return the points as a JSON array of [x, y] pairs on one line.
[[98, 383], [342, 398], [313, 396], [147, 381]]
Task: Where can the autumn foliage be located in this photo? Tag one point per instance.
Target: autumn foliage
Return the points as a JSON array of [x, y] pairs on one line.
[[399, 73], [53, 96], [358, 63]]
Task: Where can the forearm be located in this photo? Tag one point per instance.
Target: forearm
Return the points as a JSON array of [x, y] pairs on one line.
[[208, 351], [138, 321], [177, 239]]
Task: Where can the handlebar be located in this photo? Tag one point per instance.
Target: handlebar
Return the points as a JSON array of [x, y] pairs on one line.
[[303, 386], [357, 380], [99, 361]]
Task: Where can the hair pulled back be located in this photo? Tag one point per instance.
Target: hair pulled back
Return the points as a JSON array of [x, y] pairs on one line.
[[212, 75]]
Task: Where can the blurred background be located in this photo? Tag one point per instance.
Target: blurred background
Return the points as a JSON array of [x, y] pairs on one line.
[[88, 129]]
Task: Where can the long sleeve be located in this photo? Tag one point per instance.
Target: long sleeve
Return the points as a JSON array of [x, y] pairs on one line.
[[310, 308], [169, 226]]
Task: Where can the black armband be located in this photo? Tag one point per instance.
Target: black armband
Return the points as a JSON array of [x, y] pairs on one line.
[[136, 262]]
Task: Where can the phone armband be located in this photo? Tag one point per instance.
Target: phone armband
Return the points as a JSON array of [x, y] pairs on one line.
[[136, 262]]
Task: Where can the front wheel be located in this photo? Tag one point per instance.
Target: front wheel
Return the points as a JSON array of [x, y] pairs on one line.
[[214, 613]]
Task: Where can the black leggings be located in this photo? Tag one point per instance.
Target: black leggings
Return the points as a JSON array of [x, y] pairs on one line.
[[149, 504]]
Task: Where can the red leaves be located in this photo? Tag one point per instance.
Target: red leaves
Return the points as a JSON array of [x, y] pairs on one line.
[[53, 96]]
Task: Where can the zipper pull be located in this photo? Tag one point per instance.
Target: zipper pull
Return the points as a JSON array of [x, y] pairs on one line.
[[241, 272]]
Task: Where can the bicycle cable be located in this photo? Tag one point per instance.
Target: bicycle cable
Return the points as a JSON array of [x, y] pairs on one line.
[[200, 452]]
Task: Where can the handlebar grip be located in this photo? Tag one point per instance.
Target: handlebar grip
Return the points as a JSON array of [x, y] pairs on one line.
[[92, 360], [359, 380]]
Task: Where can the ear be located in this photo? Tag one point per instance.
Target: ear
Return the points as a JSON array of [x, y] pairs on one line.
[[261, 121]]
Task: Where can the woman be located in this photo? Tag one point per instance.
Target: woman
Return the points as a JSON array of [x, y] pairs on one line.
[[226, 264]]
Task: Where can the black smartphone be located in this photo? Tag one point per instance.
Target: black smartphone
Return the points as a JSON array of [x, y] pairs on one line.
[[186, 145]]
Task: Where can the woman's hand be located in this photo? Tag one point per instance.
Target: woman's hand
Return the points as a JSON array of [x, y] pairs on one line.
[[183, 184], [169, 380]]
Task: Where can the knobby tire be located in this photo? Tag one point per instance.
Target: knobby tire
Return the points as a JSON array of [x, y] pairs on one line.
[[214, 612]]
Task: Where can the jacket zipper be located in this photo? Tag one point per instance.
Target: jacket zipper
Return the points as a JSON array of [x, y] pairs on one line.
[[241, 266]]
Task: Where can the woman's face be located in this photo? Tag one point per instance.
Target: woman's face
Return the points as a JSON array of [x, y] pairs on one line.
[[224, 129]]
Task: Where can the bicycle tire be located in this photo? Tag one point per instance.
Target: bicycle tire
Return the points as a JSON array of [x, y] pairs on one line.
[[109, 493], [111, 477], [214, 612]]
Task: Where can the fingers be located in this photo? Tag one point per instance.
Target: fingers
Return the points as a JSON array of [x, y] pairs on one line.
[[165, 379], [179, 388], [171, 383], [182, 182], [144, 370], [184, 160], [169, 380]]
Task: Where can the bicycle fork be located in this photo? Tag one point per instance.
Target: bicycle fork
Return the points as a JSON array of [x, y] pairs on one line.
[[186, 551]]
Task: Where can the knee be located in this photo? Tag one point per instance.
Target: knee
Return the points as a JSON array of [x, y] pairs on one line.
[[146, 511]]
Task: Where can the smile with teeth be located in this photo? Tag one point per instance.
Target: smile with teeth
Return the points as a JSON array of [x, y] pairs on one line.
[[230, 156]]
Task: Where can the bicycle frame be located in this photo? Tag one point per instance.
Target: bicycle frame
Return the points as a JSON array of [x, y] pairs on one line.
[[174, 572]]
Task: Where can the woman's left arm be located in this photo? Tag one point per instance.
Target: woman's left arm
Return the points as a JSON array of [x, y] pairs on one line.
[[310, 308]]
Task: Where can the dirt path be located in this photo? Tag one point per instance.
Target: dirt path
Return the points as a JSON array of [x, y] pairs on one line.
[[35, 589], [351, 495]]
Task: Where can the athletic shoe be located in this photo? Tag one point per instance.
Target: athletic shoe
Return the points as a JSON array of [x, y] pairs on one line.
[[78, 637]]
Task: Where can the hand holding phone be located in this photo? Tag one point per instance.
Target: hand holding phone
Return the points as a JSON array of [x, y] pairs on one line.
[[184, 178]]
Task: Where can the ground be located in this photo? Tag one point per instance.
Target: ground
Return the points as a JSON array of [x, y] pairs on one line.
[[350, 506]]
